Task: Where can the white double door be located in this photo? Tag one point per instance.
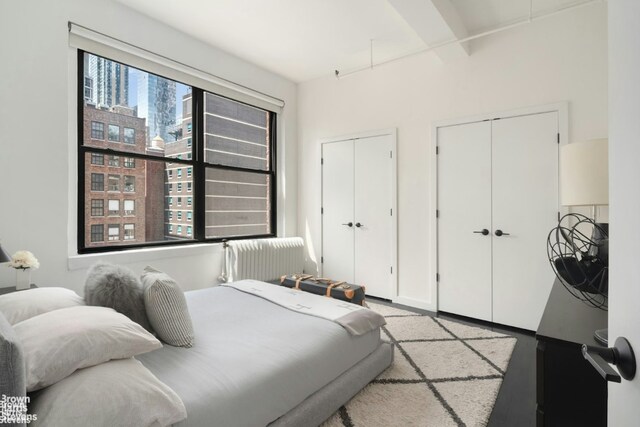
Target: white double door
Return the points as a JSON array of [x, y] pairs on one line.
[[497, 201], [358, 238]]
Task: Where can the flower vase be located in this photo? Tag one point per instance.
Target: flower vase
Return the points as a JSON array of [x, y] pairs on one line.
[[23, 278]]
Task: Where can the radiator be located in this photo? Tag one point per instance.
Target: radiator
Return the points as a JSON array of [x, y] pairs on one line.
[[262, 259]]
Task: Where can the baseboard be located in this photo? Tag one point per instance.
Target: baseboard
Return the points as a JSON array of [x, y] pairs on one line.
[[416, 303]]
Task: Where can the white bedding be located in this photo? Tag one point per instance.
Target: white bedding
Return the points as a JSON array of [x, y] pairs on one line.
[[253, 361]]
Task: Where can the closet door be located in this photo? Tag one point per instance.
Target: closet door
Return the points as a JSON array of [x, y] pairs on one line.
[[373, 174], [337, 206], [525, 205], [464, 204]]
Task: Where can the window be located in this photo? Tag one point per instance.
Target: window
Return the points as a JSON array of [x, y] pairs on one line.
[[97, 207], [97, 233], [114, 207], [114, 182], [230, 187], [97, 130], [114, 133], [129, 184], [129, 231], [114, 232], [97, 182], [114, 161], [129, 207], [129, 135], [97, 159]]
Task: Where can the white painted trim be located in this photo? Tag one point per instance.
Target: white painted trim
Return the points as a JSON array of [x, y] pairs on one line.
[[416, 303], [365, 134], [81, 262], [562, 108], [393, 132]]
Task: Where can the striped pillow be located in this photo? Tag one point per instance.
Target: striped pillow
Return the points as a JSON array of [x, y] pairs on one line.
[[167, 308]]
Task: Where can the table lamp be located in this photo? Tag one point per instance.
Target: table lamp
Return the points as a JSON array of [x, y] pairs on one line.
[[584, 181], [4, 257]]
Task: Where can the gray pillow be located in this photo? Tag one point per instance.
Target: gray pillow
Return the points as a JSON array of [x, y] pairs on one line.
[[167, 308], [12, 367], [117, 287]]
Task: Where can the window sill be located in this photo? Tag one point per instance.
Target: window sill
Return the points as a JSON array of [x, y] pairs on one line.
[[84, 261]]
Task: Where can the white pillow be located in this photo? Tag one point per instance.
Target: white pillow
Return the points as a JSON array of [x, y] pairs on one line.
[[116, 393], [57, 343], [23, 305]]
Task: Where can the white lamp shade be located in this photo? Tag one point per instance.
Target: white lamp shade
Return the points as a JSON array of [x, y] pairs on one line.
[[584, 173]]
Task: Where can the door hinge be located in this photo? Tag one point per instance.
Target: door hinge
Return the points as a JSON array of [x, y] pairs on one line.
[[391, 269], [321, 211], [322, 260], [391, 212], [437, 277], [321, 161], [391, 154], [558, 216], [437, 149], [558, 138], [437, 213]]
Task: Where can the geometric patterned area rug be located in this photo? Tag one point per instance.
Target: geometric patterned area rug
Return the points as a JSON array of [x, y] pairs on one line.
[[444, 373]]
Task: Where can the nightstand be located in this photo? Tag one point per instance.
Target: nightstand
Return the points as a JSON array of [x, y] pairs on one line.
[[10, 289]]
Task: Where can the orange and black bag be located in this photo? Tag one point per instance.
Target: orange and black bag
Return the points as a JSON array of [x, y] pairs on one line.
[[330, 288]]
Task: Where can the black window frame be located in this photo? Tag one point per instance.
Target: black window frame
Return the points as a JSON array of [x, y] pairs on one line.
[[95, 233], [96, 131], [195, 159], [97, 207]]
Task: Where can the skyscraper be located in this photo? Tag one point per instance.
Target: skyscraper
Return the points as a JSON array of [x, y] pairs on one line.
[[157, 103], [109, 84]]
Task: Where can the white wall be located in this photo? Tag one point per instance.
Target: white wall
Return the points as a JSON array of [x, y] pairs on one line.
[[563, 58], [38, 136], [624, 199]]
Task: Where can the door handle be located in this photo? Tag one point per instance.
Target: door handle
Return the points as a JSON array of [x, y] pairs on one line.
[[501, 233], [359, 225], [484, 232], [349, 224], [621, 355]]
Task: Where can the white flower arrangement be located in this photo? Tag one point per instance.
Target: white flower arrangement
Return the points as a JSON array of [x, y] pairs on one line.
[[24, 260]]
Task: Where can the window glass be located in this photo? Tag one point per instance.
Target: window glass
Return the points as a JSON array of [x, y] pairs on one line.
[[114, 207], [97, 207], [114, 133], [114, 232], [114, 182], [129, 207], [97, 182]]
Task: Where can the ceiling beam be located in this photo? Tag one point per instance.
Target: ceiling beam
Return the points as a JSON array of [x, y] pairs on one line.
[[435, 21]]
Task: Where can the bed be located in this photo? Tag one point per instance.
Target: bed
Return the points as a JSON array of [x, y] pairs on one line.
[[254, 362]]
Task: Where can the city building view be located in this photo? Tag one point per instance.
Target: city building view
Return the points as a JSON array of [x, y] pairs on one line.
[[137, 199]]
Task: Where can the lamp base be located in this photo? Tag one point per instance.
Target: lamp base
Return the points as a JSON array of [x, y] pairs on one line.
[[602, 337]]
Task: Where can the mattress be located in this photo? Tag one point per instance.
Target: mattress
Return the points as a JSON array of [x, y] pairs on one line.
[[253, 361]]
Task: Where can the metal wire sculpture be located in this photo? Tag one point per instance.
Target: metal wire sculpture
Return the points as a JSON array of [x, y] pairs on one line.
[[578, 251]]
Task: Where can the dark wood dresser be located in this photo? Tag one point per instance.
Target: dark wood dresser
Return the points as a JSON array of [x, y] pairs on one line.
[[569, 390]]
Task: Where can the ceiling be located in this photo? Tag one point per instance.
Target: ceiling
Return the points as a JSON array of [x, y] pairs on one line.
[[305, 39]]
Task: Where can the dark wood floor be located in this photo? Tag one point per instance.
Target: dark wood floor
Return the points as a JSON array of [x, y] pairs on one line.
[[516, 402]]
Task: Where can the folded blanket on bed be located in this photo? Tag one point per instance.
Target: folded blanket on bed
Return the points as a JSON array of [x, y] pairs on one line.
[[355, 319]]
